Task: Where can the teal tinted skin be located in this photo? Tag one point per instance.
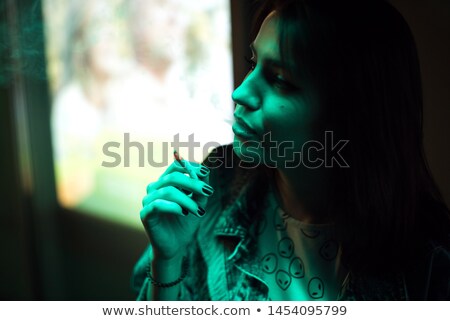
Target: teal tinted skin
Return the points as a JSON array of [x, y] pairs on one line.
[[272, 99], [269, 100], [172, 211]]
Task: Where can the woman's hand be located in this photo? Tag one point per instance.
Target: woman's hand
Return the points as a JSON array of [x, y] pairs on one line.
[[173, 208]]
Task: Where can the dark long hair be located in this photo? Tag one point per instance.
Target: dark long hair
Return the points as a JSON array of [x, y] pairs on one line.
[[362, 59]]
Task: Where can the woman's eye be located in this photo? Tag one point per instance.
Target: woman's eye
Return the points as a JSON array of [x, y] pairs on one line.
[[279, 82], [251, 62]]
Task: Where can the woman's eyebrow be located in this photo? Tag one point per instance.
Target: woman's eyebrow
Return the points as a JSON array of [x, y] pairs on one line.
[[269, 60]]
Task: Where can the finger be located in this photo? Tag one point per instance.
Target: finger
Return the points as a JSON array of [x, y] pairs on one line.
[[172, 194], [149, 214], [197, 169], [200, 171], [174, 167], [203, 171], [202, 199], [191, 170], [180, 180], [158, 207]]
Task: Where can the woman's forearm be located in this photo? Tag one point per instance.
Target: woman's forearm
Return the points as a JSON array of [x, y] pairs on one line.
[[163, 272]]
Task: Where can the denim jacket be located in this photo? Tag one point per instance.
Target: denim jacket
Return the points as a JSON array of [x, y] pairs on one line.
[[223, 265]]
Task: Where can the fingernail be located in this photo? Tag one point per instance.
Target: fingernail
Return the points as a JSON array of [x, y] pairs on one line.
[[208, 190], [204, 170], [184, 211], [200, 211]]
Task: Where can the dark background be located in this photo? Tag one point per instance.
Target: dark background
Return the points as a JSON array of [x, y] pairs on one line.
[[48, 253]]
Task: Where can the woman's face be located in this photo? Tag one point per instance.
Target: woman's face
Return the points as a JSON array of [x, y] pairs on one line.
[[275, 110]]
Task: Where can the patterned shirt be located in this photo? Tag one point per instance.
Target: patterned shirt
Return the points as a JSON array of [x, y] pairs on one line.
[[299, 261], [224, 263]]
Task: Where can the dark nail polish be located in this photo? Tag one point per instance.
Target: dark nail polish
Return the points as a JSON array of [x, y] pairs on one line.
[[204, 170], [200, 211], [207, 190], [184, 211]]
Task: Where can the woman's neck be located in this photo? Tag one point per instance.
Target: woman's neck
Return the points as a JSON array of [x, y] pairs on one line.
[[302, 193]]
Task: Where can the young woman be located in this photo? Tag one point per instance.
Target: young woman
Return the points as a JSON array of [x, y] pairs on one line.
[[325, 193]]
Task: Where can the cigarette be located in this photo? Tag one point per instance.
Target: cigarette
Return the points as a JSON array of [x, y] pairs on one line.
[[185, 165]]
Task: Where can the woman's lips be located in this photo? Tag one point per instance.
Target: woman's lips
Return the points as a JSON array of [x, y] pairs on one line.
[[242, 131]]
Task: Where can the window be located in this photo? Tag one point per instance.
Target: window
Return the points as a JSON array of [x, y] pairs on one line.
[[128, 78]]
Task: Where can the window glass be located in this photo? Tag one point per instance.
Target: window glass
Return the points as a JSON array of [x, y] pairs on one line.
[[128, 78]]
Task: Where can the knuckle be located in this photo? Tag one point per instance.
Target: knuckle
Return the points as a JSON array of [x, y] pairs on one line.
[[150, 187], [166, 192], [146, 211], [166, 179], [171, 190], [162, 193], [176, 175]]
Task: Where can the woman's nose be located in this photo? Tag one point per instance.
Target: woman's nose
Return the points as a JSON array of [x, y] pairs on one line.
[[247, 93]]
